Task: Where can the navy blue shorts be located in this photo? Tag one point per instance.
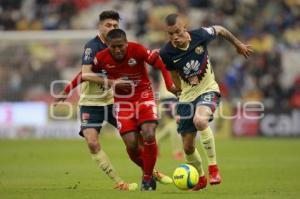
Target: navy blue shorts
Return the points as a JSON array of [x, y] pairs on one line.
[[186, 111], [94, 116]]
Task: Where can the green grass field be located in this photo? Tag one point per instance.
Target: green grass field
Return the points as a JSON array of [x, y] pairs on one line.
[[250, 168]]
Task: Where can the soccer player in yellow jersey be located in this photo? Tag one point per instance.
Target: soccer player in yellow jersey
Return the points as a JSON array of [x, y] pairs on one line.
[[186, 56]]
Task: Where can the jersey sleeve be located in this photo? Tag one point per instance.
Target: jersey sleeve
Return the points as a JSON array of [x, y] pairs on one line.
[[89, 53], [207, 33], [167, 61], [74, 83], [97, 61]]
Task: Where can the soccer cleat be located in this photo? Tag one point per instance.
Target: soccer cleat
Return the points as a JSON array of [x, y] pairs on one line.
[[201, 184], [161, 178], [123, 186], [214, 176], [148, 186]]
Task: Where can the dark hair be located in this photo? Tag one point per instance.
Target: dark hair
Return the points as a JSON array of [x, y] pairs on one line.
[[171, 19], [116, 34], [109, 14]]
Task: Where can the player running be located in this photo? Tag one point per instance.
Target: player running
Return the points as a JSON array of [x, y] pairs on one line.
[[136, 112], [93, 106], [186, 56]]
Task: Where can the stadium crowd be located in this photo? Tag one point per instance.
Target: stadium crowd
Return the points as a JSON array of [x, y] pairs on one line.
[[271, 27]]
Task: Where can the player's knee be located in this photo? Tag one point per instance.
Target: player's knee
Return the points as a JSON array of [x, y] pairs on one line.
[[148, 132], [94, 146], [188, 149], [200, 123], [131, 147], [149, 137]]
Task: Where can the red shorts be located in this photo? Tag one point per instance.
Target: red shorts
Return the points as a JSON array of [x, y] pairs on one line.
[[131, 115]]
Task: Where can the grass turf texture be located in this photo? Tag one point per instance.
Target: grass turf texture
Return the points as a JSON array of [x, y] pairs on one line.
[[250, 168]]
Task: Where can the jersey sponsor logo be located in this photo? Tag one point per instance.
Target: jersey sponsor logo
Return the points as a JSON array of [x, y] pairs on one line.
[[87, 53], [110, 66], [199, 50], [132, 62], [191, 67], [176, 60]]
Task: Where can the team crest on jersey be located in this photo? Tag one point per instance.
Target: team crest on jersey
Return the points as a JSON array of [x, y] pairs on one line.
[[87, 53], [132, 62], [191, 67], [199, 50]]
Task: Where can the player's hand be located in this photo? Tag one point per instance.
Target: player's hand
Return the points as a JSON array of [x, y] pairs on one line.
[[122, 84], [156, 50], [176, 91], [61, 97], [244, 50]]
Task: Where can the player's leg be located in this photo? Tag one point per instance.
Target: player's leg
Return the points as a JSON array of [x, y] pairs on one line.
[[127, 132], [158, 176], [203, 114], [188, 133], [162, 131], [149, 154], [127, 125], [146, 114], [133, 149], [193, 157], [168, 127], [177, 152], [98, 155], [92, 119]]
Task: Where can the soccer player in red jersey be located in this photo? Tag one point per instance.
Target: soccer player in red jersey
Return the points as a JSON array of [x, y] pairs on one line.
[[135, 109], [95, 109]]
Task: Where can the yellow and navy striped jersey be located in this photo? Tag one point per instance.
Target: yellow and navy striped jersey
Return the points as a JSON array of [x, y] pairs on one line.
[[192, 64], [93, 94]]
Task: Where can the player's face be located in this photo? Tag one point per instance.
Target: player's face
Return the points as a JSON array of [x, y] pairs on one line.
[[107, 25], [178, 35], [118, 48]]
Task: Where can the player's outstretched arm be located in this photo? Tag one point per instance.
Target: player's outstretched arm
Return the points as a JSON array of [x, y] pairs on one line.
[[89, 75], [241, 48], [176, 79], [63, 95], [155, 60]]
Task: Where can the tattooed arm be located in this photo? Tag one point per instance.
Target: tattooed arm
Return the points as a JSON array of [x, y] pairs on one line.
[[241, 48]]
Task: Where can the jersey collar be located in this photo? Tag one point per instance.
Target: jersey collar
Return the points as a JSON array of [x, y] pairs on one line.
[[100, 37]]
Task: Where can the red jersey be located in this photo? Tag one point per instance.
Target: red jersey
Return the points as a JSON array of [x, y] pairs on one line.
[[132, 67]]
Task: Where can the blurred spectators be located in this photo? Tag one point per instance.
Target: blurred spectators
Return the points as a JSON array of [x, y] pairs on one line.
[[271, 27]]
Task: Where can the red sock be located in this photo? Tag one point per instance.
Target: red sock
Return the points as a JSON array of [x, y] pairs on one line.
[[136, 156], [149, 157]]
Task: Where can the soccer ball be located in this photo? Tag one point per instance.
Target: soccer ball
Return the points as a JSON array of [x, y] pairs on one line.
[[185, 176]]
